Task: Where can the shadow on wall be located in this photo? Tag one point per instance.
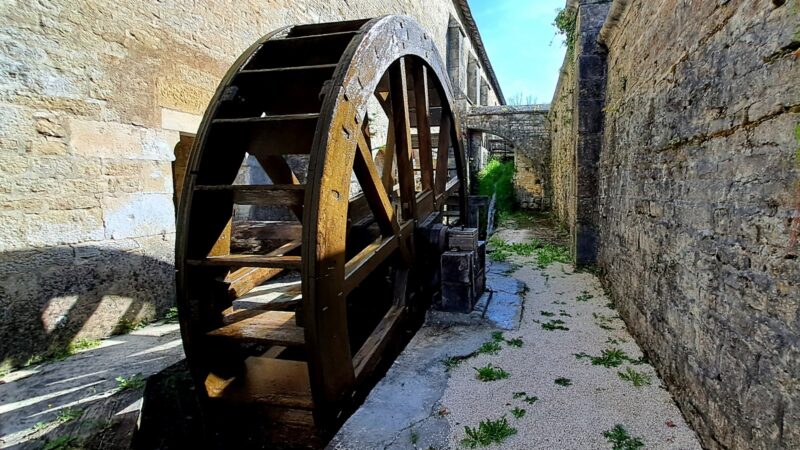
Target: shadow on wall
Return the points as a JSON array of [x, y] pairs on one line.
[[48, 297]]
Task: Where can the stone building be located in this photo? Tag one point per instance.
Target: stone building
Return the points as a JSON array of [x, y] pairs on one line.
[[100, 102], [675, 166]]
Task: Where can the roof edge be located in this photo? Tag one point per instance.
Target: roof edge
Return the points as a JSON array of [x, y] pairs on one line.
[[475, 36]]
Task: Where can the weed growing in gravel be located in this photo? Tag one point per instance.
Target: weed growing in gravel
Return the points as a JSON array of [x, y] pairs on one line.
[[582, 355], [556, 324], [489, 348], [516, 342], [585, 296], [414, 437], [638, 379], [529, 399], [451, 362], [134, 382], [490, 373], [488, 432], [546, 253], [611, 357], [561, 381], [615, 341], [518, 412], [611, 305], [497, 336], [619, 438], [563, 313], [547, 314], [604, 321]]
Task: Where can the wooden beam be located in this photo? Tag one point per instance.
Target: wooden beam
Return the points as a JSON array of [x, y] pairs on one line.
[[423, 125], [262, 195], [279, 172], [402, 128], [442, 154]]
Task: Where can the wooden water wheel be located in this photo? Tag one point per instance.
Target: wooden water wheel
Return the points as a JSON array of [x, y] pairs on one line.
[[288, 338]]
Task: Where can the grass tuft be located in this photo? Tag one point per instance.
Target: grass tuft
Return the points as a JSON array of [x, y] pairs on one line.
[[68, 415], [638, 379], [171, 316], [516, 342], [490, 373], [547, 313], [518, 412], [585, 296], [619, 438], [561, 381], [488, 432], [134, 382], [556, 324], [489, 348], [611, 357]]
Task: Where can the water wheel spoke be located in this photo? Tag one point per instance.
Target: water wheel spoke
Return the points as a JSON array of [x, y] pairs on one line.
[[423, 125], [402, 133], [442, 156]]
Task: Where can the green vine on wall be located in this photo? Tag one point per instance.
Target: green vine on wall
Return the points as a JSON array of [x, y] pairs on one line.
[[566, 22]]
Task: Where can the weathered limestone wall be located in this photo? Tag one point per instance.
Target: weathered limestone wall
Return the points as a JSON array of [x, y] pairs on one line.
[[699, 190], [528, 129], [93, 98], [577, 121]]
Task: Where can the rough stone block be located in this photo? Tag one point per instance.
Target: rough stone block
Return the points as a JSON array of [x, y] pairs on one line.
[[135, 215], [120, 141]]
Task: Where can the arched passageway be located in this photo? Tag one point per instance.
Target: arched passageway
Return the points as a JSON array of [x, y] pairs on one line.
[[527, 129]]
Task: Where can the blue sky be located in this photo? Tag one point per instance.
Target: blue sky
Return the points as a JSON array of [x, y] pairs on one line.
[[521, 40]]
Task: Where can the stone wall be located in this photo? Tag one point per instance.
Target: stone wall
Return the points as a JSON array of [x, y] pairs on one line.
[[699, 191], [94, 96], [577, 121], [528, 129]]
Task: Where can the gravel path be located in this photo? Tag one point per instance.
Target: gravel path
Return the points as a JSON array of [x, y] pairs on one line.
[[596, 399]]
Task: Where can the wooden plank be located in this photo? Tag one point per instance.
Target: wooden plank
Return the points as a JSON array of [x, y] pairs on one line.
[[242, 280], [275, 295], [325, 28], [268, 328], [423, 125], [367, 260], [402, 128], [277, 262], [279, 172], [276, 382], [272, 230], [441, 155], [415, 143], [262, 195], [425, 203], [369, 355], [270, 135], [364, 263]]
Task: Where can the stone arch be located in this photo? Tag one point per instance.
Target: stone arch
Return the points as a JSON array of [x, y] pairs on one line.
[[528, 129]]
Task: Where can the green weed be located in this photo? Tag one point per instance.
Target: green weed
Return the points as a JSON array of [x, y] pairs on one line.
[[547, 314], [611, 357], [638, 379], [556, 324], [490, 373], [488, 432], [561, 381], [134, 382], [518, 412], [619, 438], [451, 362], [68, 415], [171, 316], [529, 399], [516, 342], [585, 296], [489, 348], [414, 438], [497, 336]]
